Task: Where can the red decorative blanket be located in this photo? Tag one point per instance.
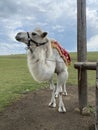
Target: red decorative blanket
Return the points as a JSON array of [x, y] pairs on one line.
[[63, 53]]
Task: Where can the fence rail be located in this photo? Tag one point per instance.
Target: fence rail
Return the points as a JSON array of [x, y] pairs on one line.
[[85, 65]]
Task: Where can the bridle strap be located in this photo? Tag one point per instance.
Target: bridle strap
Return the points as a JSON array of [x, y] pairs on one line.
[[29, 39], [36, 43]]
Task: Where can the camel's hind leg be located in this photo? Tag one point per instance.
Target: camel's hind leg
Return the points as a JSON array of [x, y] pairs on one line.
[[60, 81]]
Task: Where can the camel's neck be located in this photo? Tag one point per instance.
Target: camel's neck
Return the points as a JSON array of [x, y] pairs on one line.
[[41, 52], [39, 67]]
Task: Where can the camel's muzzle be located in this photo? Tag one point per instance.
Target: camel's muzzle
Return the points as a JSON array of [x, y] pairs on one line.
[[17, 37]]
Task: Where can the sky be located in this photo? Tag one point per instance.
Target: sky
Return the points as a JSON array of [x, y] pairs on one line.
[[57, 17]]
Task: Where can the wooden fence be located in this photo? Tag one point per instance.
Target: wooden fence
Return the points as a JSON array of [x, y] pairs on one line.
[[81, 66]]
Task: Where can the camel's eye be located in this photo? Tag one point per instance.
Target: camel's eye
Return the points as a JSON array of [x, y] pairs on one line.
[[33, 33]]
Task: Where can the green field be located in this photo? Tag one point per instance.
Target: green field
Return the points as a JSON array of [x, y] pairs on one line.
[[15, 79]]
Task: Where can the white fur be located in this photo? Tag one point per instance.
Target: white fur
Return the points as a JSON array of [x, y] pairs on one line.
[[40, 68], [43, 62]]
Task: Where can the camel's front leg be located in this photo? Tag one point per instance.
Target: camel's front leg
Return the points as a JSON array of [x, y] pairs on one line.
[[58, 89], [60, 82], [51, 84], [61, 104], [64, 89], [53, 100]]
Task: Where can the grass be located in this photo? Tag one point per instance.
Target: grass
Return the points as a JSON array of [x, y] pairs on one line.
[[15, 79]]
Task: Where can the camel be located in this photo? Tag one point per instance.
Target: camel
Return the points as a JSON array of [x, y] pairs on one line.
[[43, 61]]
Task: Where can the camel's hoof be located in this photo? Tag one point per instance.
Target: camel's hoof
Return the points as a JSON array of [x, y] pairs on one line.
[[51, 104], [56, 95], [65, 93], [62, 109]]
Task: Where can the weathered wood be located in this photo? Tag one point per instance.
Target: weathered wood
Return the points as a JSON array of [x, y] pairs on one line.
[[82, 89], [81, 31], [96, 123], [82, 52], [85, 65]]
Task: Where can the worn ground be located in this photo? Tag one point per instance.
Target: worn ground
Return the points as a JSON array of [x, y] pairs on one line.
[[31, 112]]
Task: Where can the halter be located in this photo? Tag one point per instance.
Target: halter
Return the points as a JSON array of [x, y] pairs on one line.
[[36, 43]]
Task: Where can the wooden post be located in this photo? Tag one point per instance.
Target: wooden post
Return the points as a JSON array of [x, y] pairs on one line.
[[96, 122], [81, 52]]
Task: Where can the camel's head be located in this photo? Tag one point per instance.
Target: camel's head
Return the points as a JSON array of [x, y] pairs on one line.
[[38, 37]]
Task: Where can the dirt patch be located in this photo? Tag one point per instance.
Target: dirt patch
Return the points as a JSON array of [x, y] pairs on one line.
[[32, 113]]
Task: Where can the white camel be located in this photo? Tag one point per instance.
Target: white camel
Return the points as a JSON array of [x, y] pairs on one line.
[[44, 61]]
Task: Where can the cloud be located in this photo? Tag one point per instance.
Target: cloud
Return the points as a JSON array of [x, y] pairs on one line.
[[56, 17], [59, 10], [59, 28], [92, 18], [92, 43], [9, 48]]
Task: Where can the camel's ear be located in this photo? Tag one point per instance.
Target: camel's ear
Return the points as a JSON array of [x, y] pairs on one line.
[[44, 34]]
